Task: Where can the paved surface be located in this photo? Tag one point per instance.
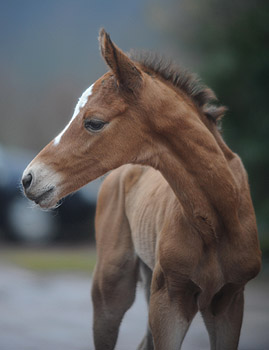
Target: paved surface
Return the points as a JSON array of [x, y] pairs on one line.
[[53, 312]]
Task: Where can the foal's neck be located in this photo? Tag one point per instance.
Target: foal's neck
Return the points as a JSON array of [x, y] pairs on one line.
[[194, 161]]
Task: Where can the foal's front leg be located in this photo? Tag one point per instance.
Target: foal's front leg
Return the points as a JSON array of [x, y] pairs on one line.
[[223, 319], [172, 309]]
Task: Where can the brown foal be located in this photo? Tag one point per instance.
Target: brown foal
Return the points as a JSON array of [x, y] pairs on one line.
[[176, 214]]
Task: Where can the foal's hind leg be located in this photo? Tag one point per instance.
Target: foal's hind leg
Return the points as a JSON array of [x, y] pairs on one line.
[[223, 319], [146, 276], [116, 272], [113, 294]]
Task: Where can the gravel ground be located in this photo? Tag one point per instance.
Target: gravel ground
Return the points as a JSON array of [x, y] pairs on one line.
[[53, 312]]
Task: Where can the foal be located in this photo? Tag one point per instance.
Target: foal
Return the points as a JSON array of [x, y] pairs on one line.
[[178, 217]]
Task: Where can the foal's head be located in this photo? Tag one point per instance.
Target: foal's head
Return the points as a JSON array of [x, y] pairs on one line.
[[114, 123], [105, 132]]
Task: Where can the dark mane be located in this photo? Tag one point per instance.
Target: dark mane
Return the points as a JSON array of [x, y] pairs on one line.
[[187, 82]]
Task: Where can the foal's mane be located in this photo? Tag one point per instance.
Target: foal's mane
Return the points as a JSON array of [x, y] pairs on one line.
[[203, 97]]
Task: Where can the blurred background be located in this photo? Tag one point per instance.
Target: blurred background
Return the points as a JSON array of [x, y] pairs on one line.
[[49, 56]]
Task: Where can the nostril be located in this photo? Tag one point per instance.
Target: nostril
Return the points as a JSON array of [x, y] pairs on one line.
[[26, 181]]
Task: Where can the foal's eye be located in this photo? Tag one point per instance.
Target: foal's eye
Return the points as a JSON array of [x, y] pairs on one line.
[[94, 124]]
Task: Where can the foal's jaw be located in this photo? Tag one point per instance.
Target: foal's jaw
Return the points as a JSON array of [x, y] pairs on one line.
[[41, 185]]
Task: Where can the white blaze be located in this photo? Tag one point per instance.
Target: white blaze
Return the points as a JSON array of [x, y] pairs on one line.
[[81, 103]]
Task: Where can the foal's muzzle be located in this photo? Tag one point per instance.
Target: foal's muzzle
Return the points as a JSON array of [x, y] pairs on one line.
[[40, 184]]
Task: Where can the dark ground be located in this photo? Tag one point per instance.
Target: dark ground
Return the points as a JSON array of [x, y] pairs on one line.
[[53, 311]]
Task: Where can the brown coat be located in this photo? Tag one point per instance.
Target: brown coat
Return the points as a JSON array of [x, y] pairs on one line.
[[178, 217]]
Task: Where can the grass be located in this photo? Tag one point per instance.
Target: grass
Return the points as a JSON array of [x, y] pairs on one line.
[[51, 259]]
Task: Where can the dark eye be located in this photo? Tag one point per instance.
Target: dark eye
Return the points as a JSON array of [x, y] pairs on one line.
[[94, 124]]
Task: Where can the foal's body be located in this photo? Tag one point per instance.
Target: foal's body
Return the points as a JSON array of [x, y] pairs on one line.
[[141, 228], [180, 218]]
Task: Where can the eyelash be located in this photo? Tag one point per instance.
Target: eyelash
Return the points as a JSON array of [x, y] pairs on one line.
[[94, 125]]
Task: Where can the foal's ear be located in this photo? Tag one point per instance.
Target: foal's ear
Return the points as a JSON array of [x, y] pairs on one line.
[[127, 74]]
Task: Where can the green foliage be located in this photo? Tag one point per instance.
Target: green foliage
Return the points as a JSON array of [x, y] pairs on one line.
[[237, 67], [228, 42]]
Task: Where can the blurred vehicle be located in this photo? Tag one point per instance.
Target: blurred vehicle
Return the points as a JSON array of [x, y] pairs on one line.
[[21, 221]]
